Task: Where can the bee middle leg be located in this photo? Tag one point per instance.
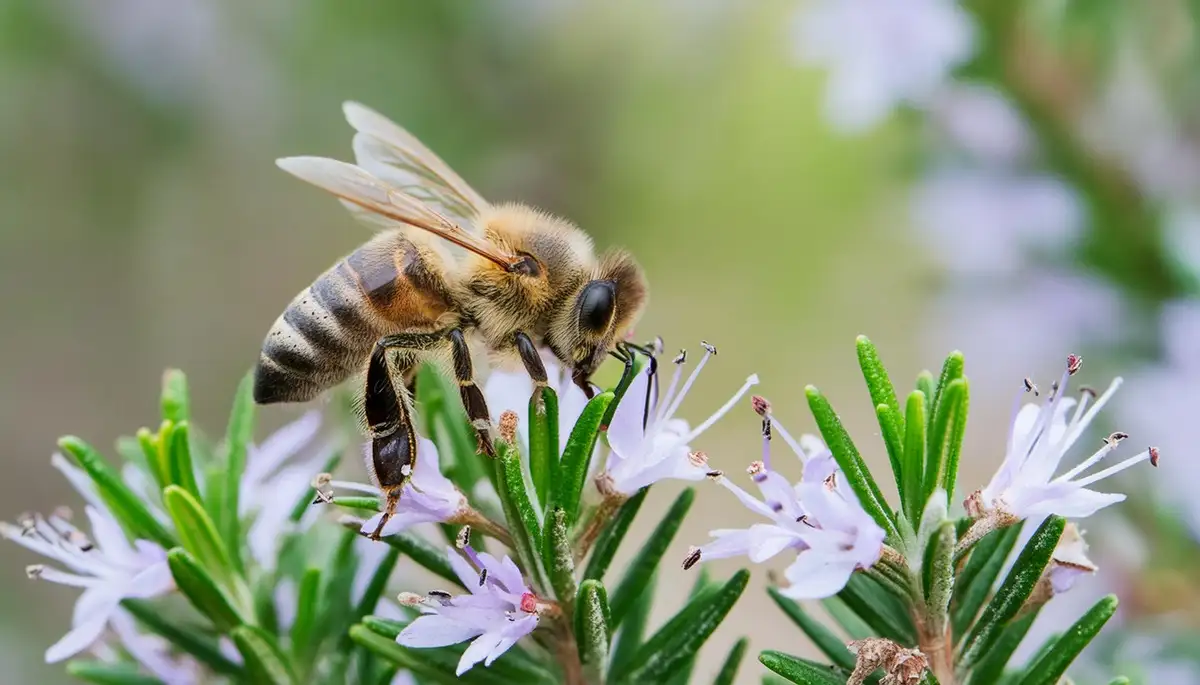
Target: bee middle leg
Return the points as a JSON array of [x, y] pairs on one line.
[[472, 396], [533, 365]]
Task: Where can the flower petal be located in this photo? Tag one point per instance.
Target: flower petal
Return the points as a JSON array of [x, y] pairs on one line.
[[627, 430], [816, 576], [82, 636], [478, 651], [435, 630], [510, 634]]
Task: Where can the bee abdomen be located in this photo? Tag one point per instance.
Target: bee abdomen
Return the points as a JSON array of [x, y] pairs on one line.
[[322, 338]]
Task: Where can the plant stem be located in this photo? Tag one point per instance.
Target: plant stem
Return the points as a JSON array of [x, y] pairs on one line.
[[595, 524], [935, 642], [568, 656], [483, 524]]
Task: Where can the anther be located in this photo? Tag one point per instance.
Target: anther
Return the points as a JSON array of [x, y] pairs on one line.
[[1030, 386], [692, 558], [656, 347], [27, 522], [708, 347], [831, 481], [439, 594], [63, 513], [483, 577], [698, 459], [1116, 438], [463, 538], [1087, 390], [680, 358], [761, 405], [80, 540], [756, 467], [410, 599], [508, 426], [1153, 456], [1074, 362], [34, 571], [605, 485], [715, 475]]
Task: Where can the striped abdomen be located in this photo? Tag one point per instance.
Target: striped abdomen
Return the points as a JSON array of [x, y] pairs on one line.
[[327, 332]]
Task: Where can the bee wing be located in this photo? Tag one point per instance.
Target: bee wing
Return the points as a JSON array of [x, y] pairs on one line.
[[360, 190], [385, 149]]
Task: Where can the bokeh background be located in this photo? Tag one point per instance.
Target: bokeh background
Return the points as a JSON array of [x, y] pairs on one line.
[[1012, 179]]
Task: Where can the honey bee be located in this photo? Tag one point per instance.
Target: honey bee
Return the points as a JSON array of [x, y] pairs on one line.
[[448, 268]]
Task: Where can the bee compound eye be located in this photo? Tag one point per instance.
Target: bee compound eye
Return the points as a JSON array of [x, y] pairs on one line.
[[596, 304]]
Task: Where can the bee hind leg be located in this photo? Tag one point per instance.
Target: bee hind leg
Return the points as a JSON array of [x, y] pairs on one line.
[[393, 441]]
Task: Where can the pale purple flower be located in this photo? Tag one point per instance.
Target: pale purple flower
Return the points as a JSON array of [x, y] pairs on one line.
[[819, 518], [499, 611], [881, 53], [1025, 485], [647, 442], [427, 497], [106, 565], [511, 390], [153, 653], [981, 121], [278, 474], [1069, 562]]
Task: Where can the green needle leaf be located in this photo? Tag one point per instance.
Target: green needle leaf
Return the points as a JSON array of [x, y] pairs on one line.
[[426, 554], [543, 442], [681, 638], [830, 644], [939, 576], [107, 673], [126, 506], [560, 560], [946, 415], [879, 608], [633, 628], [377, 584], [522, 518], [152, 453], [801, 671], [845, 617], [612, 535], [202, 591], [362, 503], [991, 667], [729, 668], [175, 403], [954, 438], [883, 394], [891, 428], [308, 605], [975, 581], [644, 564], [179, 457], [1016, 588], [264, 661], [912, 492], [445, 422], [238, 435], [591, 620], [848, 459], [566, 487], [198, 534], [187, 638], [1048, 669]]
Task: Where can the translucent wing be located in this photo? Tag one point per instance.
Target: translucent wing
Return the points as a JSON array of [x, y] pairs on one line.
[[385, 149], [360, 190]]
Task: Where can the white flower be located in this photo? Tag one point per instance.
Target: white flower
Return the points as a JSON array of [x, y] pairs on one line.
[[881, 53], [647, 442], [427, 497], [107, 566], [1025, 486], [511, 391], [499, 611], [819, 518], [275, 480], [1069, 562]]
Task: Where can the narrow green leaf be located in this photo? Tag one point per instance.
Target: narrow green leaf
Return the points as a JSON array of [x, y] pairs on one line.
[[952, 369], [633, 628], [567, 485], [175, 403], [1054, 662], [377, 584], [186, 638], [179, 458], [848, 459], [729, 668], [612, 535], [845, 617], [543, 442], [926, 385], [308, 604], [975, 581], [1119, 680], [386, 627], [801, 671], [937, 456], [683, 635], [199, 535], [427, 555], [265, 663], [336, 604], [202, 591], [126, 506], [425, 668], [891, 428], [152, 454], [265, 608], [647, 559], [954, 438], [991, 668], [109, 673], [1016, 588], [522, 518], [361, 503], [238, 435], [912, 492], [939, 576], [214, 491], [830, 644], [682, 675], [560, 560], [876, 376], [879, 608], [591, 622]]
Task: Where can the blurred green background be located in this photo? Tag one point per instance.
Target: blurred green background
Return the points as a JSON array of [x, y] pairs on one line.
[[143, 223]]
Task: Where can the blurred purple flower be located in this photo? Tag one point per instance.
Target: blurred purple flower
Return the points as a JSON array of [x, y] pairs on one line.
[[1069, 563], [499, 611], [153, 653], [647, 442], [1025, 486], [980, 121], [881, 53], [819, 518], [106, 565]]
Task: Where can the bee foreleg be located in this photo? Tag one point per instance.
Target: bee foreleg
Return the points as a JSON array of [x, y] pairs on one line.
[[472, 396], [393, 440], [533, 365]]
